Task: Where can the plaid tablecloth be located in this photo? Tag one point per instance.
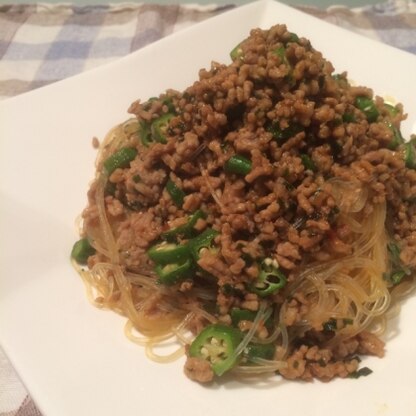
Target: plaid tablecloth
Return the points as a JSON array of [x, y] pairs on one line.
[[42, 43]]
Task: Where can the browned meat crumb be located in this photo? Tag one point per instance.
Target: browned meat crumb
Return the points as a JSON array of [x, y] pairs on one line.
[[199, 370], [308, 363], [370, 344], [95, 143]]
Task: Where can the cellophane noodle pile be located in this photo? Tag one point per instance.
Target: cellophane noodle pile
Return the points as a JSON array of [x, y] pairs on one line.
[[264, 218]]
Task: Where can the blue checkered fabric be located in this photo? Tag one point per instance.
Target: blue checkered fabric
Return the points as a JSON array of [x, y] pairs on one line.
[[43, 43]]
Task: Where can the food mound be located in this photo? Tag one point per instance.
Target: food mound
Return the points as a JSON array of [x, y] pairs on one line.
[[264, 217]]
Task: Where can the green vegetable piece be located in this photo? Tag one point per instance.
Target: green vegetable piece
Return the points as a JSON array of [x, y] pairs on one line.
[[396, 277], [410, 155], [399, 270], [293, 37], [281, 53], [330, 325], [347, 321], [393, 111], [362, 372], [186, 230], [165, 253], [175, 193], [238, 164], [281, 135], [81, 250], [264, 351], [307, 162], [159, 127], [202, 241], [238, 315], [172, 273], [397, 137], [120, 159], [368, 107], [216, 343], [237, 52], [394, 252], [269, 281], [341, 80], [169, 104], [145, 134]]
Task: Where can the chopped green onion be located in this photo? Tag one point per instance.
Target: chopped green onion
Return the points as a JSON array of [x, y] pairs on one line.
[[394, 251], [237, 52], [81, 250], [159, 127], [368, 107], [347, 321], [397, 137], [293, 37], [330, 325], [120, 159], [238, 164], [307, 162], [281, 135], [397, 277], [281, 53], [362, 372], [175, 193], [144, 133]]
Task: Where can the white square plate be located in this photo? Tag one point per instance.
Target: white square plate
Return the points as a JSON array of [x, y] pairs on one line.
[[73, 358]]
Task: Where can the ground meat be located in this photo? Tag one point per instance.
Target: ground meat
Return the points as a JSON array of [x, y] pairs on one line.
[[296, 364], [345, 348], [370, 344], [192, 202], [138, 230], [331, 370], [213, 265], [287, 254], [114, 206], [316, 175], [307, 363], [198, 370], [95, 143]]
